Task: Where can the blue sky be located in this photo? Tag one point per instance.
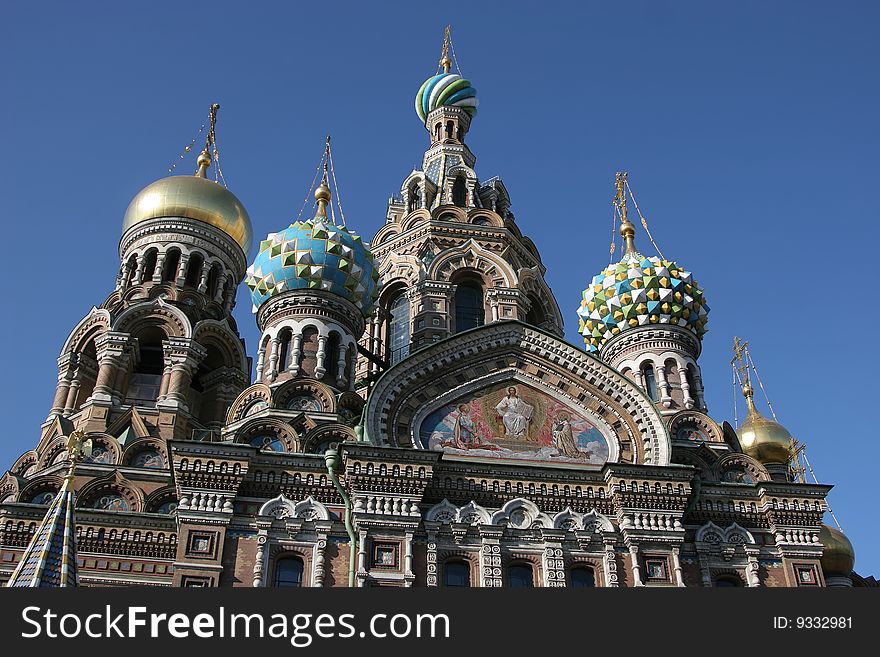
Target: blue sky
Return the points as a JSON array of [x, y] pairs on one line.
[[749, 131]]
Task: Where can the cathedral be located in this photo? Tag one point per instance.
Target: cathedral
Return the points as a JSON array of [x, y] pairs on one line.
[[411, 414]]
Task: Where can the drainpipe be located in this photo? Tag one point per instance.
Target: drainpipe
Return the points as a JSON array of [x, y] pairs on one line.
[[332, 458]]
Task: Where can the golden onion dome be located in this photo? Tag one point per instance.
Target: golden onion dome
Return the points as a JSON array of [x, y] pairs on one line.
[[838, 557], [763, 439], [193, 197]]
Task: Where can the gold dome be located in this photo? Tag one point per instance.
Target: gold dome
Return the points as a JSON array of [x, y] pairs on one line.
[[838, 557], [193, 197], [763, 439]]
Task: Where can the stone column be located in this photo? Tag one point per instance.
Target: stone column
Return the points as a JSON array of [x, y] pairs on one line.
[[160, 265], [66, 366], [318, 562], [362, 557], [261, 355], [685, 387], [408, 574], [112, 351], [663, 385], [295, 353], [752, 577], [203, 276], [698, 390], [166, 379], [184, 355], [181, 269], [259, 560], [320, 368], [676, 567], [221, 281], [341, 379], [431, 579], [638, 378], [609, 561], [139, 269], [273, 359], [637, 569]]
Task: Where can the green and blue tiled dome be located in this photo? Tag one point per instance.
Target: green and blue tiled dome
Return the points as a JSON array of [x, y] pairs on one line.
[[447, 89], [314, 255], [638, 291]]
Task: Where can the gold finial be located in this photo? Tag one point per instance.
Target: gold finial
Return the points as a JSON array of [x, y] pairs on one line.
[[76, 447], [627, 229], [740, 362], [205, 159], [445, 62], [322, 191]]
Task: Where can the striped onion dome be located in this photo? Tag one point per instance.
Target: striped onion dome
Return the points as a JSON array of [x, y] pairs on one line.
[[639, 291], [449, 89]]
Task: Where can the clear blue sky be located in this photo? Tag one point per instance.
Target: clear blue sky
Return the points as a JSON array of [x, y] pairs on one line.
[[749, 130]]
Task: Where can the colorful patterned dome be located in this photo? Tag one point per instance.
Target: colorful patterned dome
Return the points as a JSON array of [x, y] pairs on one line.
[[314, 255], [638, 291], [447, 89]]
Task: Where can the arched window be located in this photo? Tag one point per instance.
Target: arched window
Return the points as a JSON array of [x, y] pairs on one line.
[[170, 266], [289, 571], [194, 270], [456, 574], [535, 316], [650, 381], [582, 577], [727, 582], [415, 198], [146, 376], [149, 265], [520, 576], [469, 310], [398, 329], [459, 192]]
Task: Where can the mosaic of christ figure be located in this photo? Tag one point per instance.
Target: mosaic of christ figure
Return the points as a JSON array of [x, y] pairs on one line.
[[515, 414]]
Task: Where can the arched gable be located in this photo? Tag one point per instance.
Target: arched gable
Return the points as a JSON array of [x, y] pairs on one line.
[[512, 351]]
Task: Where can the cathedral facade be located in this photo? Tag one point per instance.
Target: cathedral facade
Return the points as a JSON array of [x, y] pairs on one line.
[[411, 415]]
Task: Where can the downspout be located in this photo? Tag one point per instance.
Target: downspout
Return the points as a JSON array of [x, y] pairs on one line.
[[332, 458]]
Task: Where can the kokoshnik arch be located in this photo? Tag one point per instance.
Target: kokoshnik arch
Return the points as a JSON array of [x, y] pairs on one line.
[[415, 418]]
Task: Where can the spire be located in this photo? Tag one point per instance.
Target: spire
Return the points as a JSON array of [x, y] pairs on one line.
[[627, 229], [205, 159], [50, 558], [741, 365], [445, 62], [322, 192]]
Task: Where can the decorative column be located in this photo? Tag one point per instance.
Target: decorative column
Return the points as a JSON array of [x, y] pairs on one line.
[[663, 384], [160, 265], [139, 269], [431, 579], [341, 379], [362, 557], [112, 347], [408, 574], [181, 269], [260, 558], [318, 562], [229, 300], [184, 355], [676, 566], [295, 353], [376, 340], [166, 379], [203, 277], [273, 359], [553, 565], [221, 282], [752, 578], [685, 387], [320, 368], [261, 354], [637, 570], [490, 558], [66, 366], [638, 378], [609, 561]]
